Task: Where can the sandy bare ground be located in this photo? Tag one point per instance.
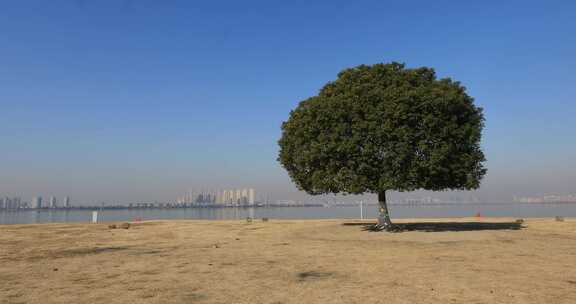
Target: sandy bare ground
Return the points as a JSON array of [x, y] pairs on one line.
[[320, 261]]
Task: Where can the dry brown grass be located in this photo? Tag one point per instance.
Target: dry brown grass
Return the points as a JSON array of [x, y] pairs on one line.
[[320, 261]]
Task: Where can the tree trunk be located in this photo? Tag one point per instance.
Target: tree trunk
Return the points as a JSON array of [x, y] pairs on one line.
[[384, 222]]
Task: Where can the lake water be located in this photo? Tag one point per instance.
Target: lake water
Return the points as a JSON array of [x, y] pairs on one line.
[[350, 212]]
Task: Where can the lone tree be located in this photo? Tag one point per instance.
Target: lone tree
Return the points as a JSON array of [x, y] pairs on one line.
[[384, 127]]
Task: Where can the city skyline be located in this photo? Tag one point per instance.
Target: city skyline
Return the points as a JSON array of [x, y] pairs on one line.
[[238, 196], [247, 197]]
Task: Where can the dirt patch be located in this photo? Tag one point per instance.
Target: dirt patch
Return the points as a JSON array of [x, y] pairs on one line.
[[84, 251], [194, 297], [313, 275], [146, 252]]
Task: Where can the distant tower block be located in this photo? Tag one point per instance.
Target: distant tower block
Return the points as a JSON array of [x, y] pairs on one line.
[[67, 202], [37, 202], [238, 196], [228, 196], [244, 199], [52, 202], [251, 196]]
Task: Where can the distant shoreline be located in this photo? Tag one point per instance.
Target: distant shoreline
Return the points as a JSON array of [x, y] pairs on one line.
[[368, 203]]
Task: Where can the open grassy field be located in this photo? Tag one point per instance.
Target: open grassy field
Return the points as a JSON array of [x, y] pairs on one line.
[[313, 261]]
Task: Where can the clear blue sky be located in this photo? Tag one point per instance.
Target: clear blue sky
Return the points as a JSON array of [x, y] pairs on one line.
[[134, 100]]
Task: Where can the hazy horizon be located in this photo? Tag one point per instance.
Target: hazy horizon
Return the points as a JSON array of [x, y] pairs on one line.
[[144, 100]]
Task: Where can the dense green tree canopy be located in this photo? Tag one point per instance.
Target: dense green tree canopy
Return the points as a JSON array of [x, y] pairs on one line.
[[384, 127]]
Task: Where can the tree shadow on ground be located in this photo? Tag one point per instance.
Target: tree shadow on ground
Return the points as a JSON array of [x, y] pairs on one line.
[[444, 226]]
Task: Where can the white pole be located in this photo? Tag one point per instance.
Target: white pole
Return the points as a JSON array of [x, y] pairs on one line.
[[361, 211], [94, 217]]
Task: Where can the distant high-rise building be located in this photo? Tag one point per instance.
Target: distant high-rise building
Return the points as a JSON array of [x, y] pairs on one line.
[[229, 196], [238, 196], [2, 203], [53, 202], [244, 196], [224, 196], [36, 202], [17, 203], [251, 196], [67, 202]]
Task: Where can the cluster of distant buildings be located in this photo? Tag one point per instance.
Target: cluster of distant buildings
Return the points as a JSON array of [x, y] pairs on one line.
[[433, 200], [14, 203], [568, 198], [234, 197]]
